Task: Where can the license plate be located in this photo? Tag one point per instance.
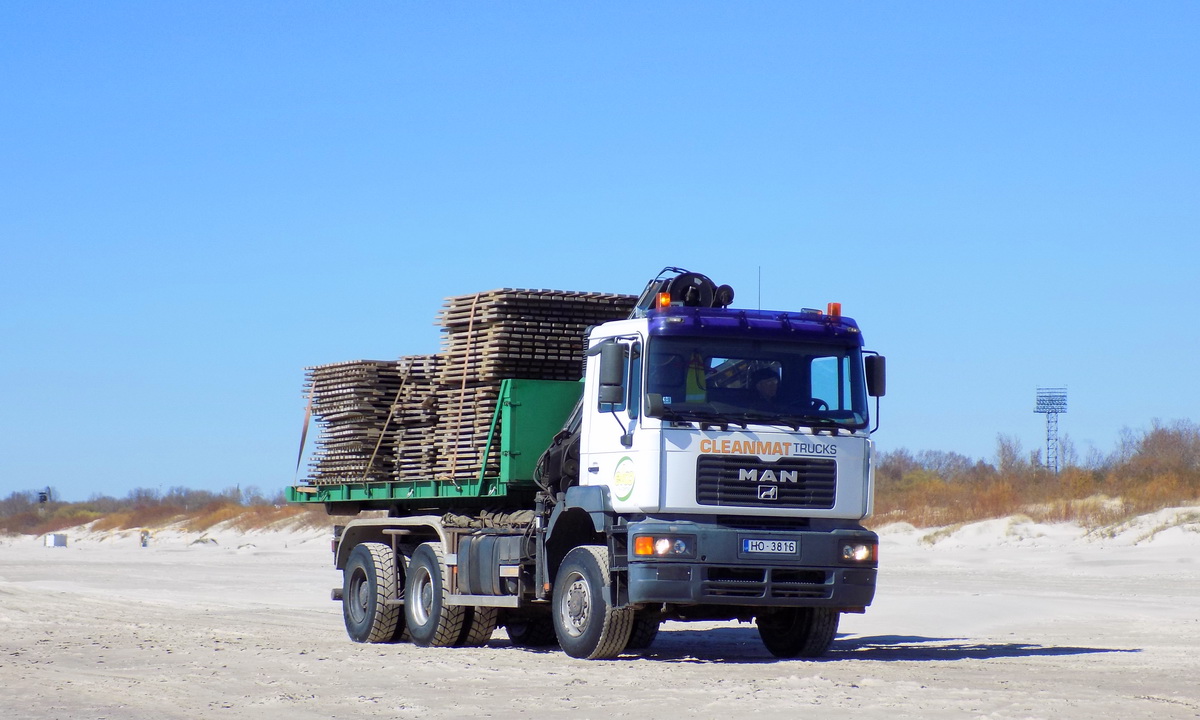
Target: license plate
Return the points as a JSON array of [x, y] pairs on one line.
[[782, 547]]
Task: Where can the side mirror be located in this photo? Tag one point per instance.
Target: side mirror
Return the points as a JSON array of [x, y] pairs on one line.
[[876, 366], [654, 404], [612, 373]]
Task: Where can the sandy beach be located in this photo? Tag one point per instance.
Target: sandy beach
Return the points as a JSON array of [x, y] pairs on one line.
[[1001, 619]]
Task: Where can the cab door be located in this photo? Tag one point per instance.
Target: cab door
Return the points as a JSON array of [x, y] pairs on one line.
[[617, 450]]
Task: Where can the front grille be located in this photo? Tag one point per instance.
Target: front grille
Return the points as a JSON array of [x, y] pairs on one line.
[[726, 582], [765, 583], [800, 584], [745, 480]]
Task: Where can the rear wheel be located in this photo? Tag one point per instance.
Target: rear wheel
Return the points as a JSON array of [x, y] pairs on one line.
[[533, 632], [431, 621], [368, 583], [479, 626], [798, 632], [587, 624]]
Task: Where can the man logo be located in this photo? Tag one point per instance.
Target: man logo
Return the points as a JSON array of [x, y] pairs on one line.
[[768, 492], [755, 475]]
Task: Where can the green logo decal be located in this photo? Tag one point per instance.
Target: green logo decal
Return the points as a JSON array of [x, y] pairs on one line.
[[623, 478]]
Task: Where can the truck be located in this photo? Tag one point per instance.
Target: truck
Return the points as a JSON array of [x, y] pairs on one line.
[[710, 463]]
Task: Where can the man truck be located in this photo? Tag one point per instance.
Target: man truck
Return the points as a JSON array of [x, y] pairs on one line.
[[711, 464]]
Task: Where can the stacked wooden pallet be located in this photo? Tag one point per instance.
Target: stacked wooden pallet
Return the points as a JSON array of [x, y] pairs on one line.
[[428, 416], [352, 401], [415, 413], [507, 333]]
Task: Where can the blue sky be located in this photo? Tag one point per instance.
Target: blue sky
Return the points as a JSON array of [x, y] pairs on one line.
[[198, 200]]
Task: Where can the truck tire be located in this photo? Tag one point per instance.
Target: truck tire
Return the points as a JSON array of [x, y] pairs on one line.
[[368, 582], [479, 626], [431, 622], [587, 624], [645, 629], [798, 632], [532, 632]]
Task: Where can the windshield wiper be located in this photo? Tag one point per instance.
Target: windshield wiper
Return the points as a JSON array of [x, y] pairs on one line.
[[766, 418], [707, 417], [818, 423], [793, 421], [745, 418], [666, 413], [700, 416], [712, 417]]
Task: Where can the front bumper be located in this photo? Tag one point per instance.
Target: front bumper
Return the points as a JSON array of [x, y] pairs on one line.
[[722, 573]]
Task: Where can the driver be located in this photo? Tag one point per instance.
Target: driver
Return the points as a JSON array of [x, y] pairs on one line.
[[766, 387], [666, 375]]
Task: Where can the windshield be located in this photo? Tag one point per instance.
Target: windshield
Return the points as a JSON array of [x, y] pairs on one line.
[[738, 380]]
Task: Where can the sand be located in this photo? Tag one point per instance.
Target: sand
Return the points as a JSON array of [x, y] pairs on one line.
[[1002, 619]]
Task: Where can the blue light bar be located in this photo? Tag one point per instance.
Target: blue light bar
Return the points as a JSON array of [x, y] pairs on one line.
[[770, 324]]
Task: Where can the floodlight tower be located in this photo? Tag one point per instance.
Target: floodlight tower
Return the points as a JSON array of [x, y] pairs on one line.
[[1051, 402]]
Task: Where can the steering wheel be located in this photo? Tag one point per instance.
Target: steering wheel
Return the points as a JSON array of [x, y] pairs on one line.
[[817, 405]]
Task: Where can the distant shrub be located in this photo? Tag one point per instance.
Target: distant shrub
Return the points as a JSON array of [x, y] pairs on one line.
[[214, 514], [1159, 468]]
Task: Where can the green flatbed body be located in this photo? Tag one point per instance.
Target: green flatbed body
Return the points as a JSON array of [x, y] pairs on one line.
[[528, 415]]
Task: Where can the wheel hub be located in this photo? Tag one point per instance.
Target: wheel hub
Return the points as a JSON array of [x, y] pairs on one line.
[[424, 600], [577, 606]]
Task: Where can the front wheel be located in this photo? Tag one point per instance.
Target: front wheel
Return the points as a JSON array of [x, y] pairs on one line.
[[586, 623], [645, 629], [798, 632]]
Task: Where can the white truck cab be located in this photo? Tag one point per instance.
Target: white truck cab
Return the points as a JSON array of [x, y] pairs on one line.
[[726, 455]]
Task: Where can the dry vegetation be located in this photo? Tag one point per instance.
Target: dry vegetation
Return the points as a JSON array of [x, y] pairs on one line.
[[189, 510], [1149, 471]]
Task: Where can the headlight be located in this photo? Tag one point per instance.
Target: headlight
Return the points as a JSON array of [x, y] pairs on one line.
[[665, 546], [860, 552]]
